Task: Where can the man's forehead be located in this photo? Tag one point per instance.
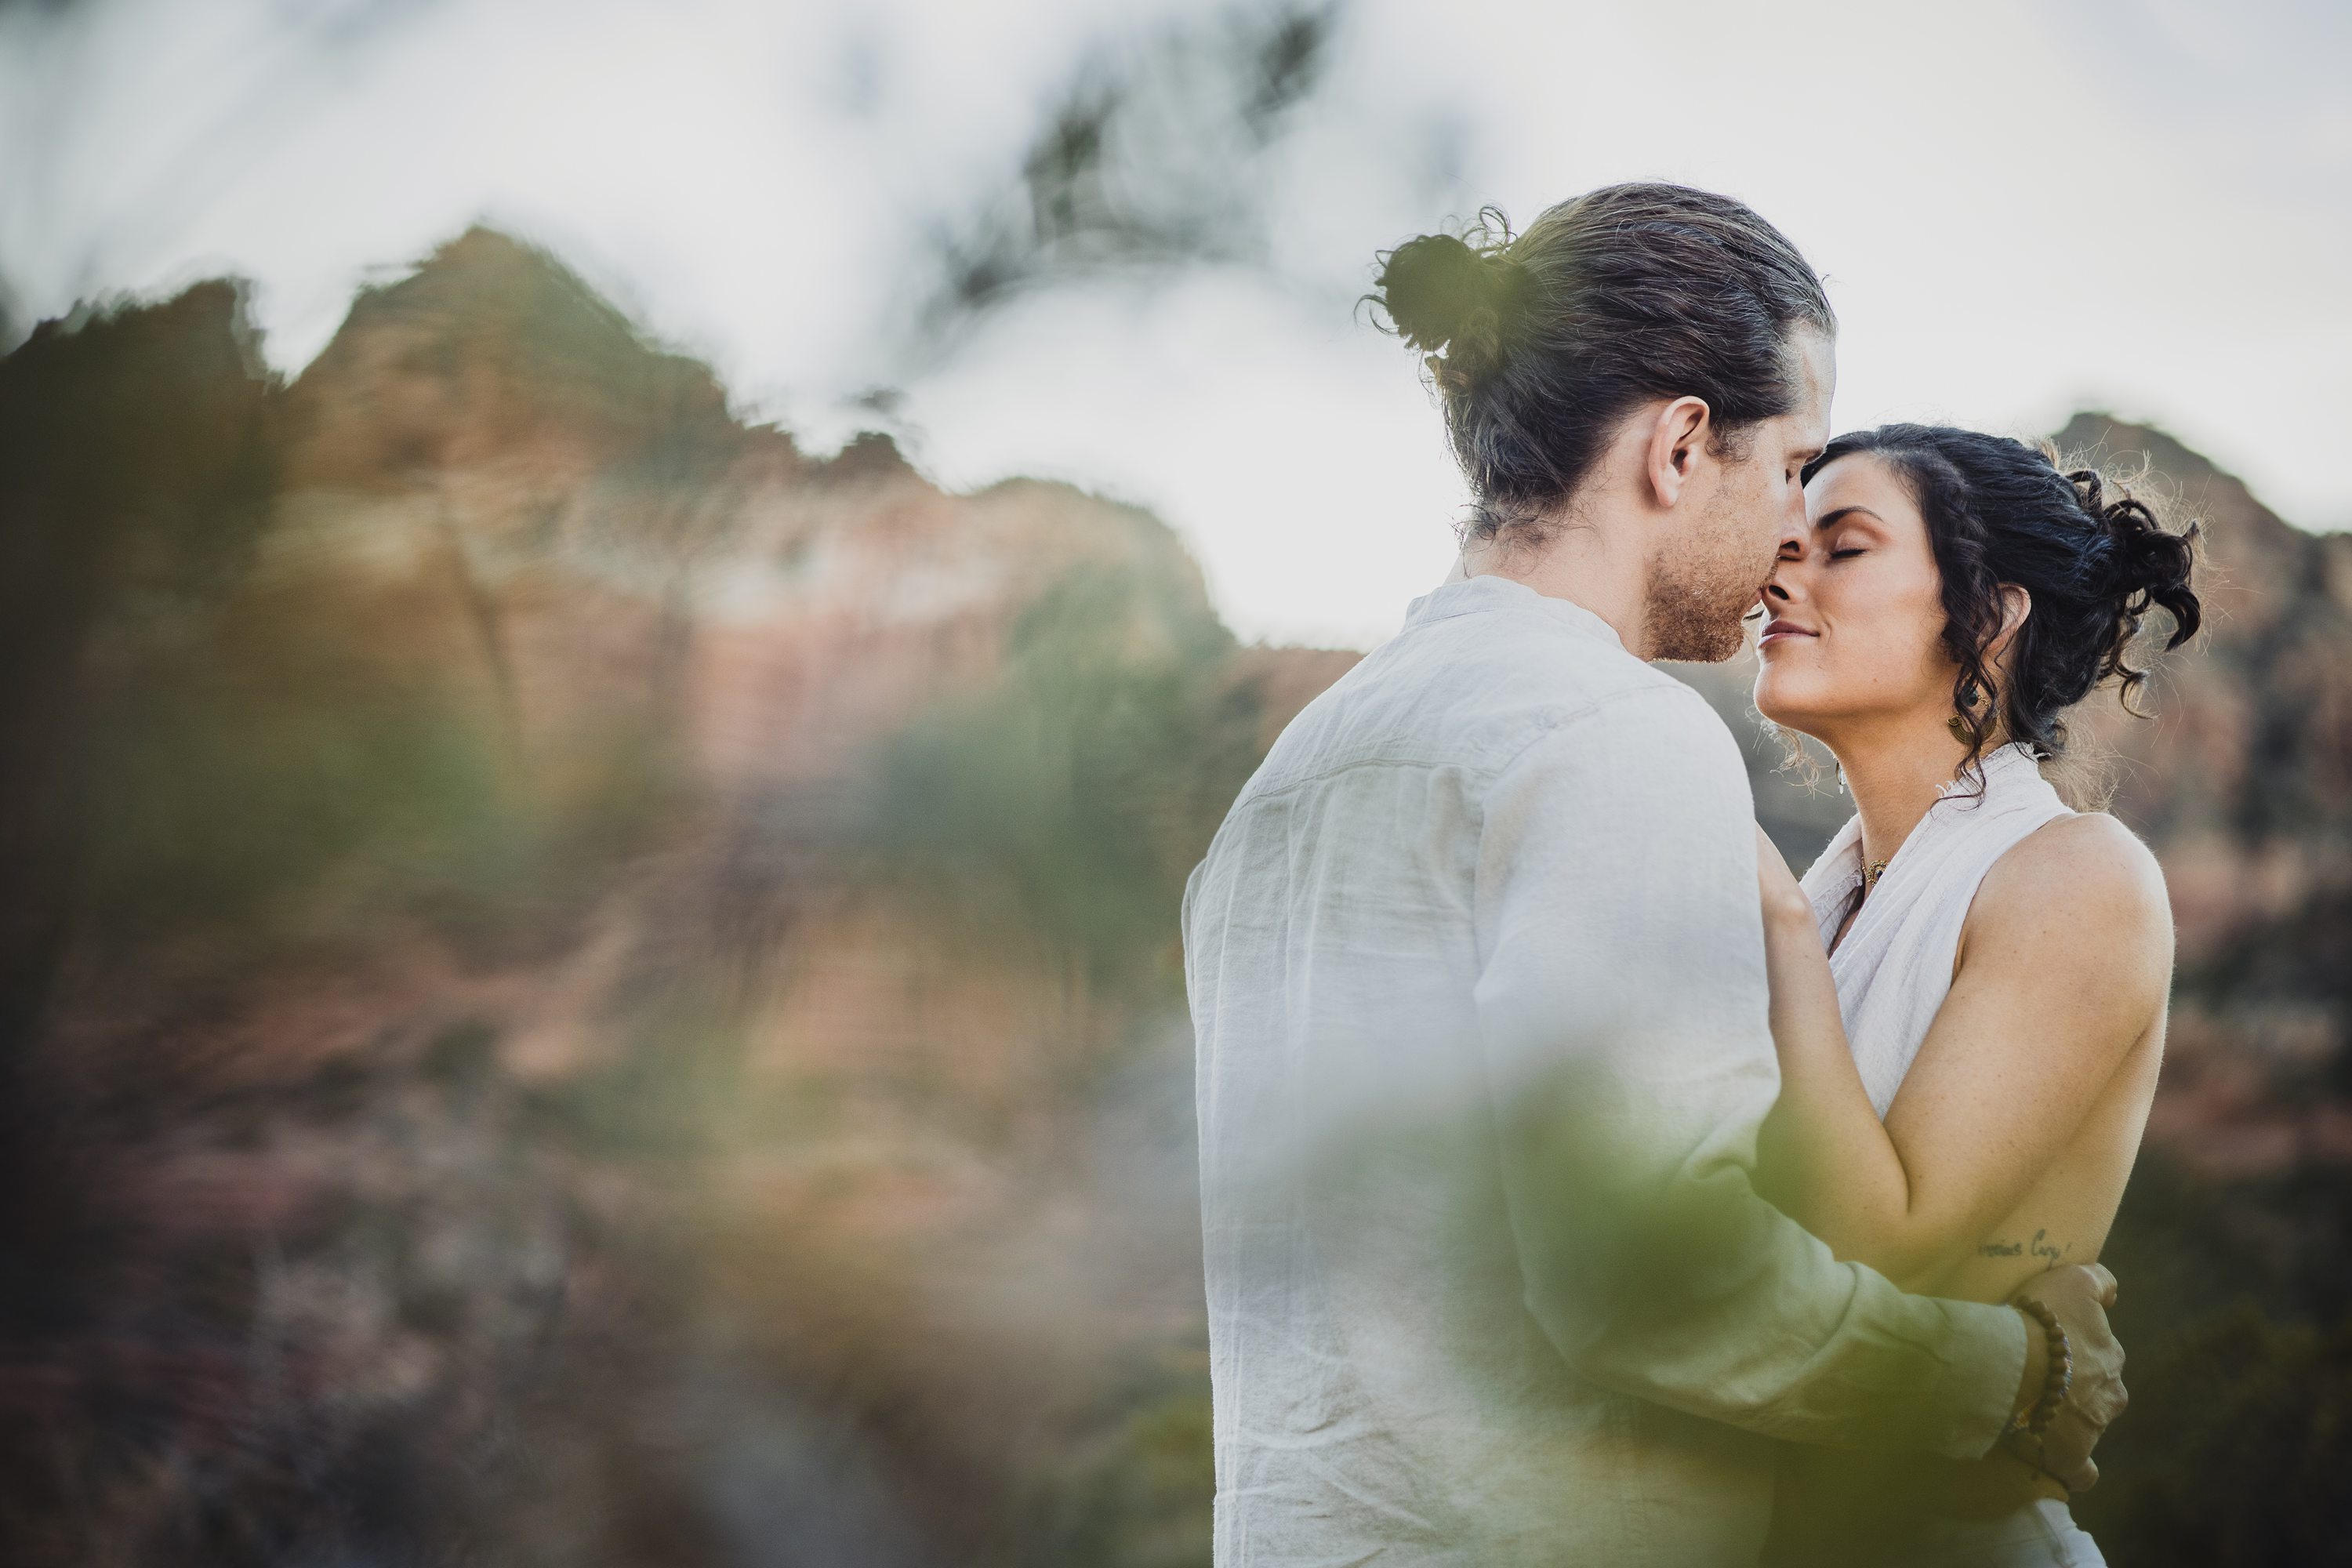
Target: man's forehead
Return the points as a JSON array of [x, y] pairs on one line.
[[1806, 427], [1817, 370]]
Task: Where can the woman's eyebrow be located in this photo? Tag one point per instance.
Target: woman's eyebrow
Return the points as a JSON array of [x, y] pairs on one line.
[[1830, 519]]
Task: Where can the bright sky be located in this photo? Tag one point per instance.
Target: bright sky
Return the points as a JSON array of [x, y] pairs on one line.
[[2142, 206]]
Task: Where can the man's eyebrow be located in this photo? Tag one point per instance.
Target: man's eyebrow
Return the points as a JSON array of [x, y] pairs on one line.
[[1830, 519]]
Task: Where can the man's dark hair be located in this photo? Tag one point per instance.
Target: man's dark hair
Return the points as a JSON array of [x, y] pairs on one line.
[[1540, 343], [2094, 558]]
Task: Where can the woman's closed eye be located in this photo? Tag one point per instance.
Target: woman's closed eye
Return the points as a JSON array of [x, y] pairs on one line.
[[1844, 552]]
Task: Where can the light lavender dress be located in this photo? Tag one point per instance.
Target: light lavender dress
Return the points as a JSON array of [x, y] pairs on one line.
[[1892, 972]]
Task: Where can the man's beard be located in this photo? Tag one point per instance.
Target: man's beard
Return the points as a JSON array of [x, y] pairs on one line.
[[1698, 594]]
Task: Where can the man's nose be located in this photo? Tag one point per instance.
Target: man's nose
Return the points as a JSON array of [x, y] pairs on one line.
[[1793, 529]]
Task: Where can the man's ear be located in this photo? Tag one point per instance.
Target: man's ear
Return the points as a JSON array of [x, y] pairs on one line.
[[1677, 437]]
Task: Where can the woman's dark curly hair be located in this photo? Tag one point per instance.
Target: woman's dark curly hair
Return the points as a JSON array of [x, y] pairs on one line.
[[2094, 557], [1540, 343]]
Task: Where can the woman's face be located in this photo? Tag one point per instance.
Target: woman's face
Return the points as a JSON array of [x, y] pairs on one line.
[[1854, 617]]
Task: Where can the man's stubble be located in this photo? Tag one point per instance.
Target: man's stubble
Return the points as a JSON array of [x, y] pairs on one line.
[[1697, 593]]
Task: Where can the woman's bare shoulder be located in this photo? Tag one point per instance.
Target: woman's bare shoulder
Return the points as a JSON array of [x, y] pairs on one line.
[[2076, 883]]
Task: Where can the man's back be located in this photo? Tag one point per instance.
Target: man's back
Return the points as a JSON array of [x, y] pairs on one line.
[[1381, 1383]]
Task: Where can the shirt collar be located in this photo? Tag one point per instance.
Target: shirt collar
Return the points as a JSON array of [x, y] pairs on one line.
[[1472, 594]]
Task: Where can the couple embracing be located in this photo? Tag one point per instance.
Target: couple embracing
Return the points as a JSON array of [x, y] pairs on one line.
[[1579, 1186]]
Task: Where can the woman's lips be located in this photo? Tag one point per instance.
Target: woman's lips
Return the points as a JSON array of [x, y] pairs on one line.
[[1779, 629]]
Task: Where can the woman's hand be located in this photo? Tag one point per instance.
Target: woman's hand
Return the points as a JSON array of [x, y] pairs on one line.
[[1783, 899]]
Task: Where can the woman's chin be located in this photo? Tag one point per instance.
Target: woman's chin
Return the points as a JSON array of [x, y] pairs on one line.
[[1792, 716]]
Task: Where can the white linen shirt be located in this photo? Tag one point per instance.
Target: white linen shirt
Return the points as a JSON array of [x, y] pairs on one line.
[[1476, 971]]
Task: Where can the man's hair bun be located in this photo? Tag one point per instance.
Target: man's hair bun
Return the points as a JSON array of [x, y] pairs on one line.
[[1449, 298]]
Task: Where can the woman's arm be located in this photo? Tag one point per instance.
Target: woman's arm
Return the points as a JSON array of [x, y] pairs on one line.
[[1822, 1156], [2063, 963]]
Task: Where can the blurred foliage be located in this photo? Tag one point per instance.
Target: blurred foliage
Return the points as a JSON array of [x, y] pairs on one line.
[[134, 482], [1071, 800], [1139, 1495], [1153, 156]]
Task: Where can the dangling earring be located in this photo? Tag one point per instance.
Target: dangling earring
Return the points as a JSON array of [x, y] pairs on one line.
[[1958, 722]]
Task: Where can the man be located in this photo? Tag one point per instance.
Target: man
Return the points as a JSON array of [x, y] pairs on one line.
[[1476, 969]]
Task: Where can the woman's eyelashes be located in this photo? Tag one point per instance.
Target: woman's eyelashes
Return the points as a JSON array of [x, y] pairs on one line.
[[1845, 552]]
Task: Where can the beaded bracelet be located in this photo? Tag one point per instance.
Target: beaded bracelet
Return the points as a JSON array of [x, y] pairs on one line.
[[2036, 1417]]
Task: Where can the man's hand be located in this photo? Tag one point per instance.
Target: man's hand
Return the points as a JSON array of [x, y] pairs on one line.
[[2080, 1295]]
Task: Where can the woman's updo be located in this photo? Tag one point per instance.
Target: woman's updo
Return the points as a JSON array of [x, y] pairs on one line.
[[1539, 343], [2094, 558]]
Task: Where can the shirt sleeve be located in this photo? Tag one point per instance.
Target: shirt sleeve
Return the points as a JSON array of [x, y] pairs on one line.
[[1622, 1012]]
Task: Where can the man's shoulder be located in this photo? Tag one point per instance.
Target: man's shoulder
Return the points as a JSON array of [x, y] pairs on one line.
[[1473, 695], [1537, 679]]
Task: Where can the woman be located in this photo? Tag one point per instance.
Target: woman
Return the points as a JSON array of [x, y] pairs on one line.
[[1968, 986]]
